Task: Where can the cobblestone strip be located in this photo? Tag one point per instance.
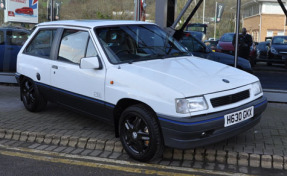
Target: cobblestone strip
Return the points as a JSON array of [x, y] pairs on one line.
[[112, 148]]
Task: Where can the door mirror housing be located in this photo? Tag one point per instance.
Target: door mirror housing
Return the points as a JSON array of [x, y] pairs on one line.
[[90, 63]]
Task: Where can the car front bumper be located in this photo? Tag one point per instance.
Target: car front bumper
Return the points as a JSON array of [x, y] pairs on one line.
[[207, 129]]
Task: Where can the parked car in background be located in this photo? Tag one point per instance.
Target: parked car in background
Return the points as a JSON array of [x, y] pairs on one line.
[[11, 41], [225, 44], [253, 53], [268, 39], [25, 10], [278, 50], [211, 44], [133, 75], [199, 49], [262, 51], [198, 30]]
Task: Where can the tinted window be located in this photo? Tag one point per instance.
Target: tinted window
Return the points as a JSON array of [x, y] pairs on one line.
[[227, 38], [41, 43], [17, 37], [280, 40], [73, 45], [1, 38]]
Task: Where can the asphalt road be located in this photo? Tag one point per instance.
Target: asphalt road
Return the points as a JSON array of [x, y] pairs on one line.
[[19, 161], [271, 77]]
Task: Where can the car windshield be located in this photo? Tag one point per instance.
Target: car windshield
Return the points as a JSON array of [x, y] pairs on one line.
[[132, 43], [280, 40], [227, 38]]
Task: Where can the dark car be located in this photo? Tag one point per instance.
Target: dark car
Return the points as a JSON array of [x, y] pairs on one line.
[[11, 41], [262, 51], [199, 49], [25, 10], [278, 50]]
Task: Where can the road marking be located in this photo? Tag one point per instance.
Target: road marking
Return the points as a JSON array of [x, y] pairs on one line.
[[104, 163]]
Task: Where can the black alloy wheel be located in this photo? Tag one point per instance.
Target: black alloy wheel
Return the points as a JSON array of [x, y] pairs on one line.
[[32, 99], [140, 134]]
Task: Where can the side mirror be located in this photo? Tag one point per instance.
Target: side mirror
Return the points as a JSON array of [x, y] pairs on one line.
[[90, 63]]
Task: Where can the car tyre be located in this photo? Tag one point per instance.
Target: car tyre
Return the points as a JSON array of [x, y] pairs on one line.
[[31, 97], [140, 133]]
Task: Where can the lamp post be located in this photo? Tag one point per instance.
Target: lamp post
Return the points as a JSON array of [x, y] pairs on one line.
[[237, 32], [203, 13], [215, 20]]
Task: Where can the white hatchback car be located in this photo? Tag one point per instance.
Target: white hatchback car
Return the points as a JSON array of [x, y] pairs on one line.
[[134, 76]]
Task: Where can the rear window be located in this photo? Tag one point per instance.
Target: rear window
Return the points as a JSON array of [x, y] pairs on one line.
[[17, 37], [227, 38]]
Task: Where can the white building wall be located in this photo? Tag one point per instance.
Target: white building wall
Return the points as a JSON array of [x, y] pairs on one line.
[[271, 8]]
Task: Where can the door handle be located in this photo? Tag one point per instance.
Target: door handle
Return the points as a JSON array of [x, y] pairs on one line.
[[54, 66]]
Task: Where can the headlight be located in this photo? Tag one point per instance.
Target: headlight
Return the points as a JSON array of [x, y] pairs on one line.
[[273, 50], [188, 105], [256, 88]]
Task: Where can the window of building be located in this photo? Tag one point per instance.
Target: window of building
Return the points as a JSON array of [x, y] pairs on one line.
[[42, 43], [73, 45], [269, 34], [280, 33]]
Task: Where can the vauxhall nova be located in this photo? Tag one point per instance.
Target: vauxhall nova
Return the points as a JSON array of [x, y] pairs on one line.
[[136, 77]]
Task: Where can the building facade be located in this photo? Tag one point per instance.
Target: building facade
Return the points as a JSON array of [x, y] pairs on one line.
[[264, 18]]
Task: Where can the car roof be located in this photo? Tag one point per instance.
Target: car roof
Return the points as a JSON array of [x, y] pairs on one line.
[[91, 23], [14, 28]]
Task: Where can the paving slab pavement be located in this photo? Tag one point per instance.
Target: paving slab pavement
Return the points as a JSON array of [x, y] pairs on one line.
[[264, 146]]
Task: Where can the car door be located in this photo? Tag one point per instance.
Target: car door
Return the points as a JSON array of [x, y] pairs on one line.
[[38, 52], [15, 40], [80, 89]]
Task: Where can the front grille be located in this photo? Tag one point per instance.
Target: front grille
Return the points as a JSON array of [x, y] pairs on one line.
[[229, 99]]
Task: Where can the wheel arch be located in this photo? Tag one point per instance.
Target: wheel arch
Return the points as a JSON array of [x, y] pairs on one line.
[[122, 105]]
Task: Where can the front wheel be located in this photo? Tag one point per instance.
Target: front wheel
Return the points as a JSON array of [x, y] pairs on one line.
[[140, 134], [31, 97]]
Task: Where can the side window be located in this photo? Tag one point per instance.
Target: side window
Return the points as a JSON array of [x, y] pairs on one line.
[[41, 44], [1, 38], [73, 45], [91, 50], [17, 37]]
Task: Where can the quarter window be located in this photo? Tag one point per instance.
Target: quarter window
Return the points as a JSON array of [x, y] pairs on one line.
[[91, 50], [42, 43], [73, 45], [1, 38]]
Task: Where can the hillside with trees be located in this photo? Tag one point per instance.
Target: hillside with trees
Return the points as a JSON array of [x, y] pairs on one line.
[[123, 9]]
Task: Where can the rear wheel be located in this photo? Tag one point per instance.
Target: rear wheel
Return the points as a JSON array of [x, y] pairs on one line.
[[31, 97], [140, 134]]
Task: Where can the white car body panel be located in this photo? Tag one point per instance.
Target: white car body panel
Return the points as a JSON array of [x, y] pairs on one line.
[[156, 83]]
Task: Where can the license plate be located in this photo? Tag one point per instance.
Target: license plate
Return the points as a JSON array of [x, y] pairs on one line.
[[239, 116]]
